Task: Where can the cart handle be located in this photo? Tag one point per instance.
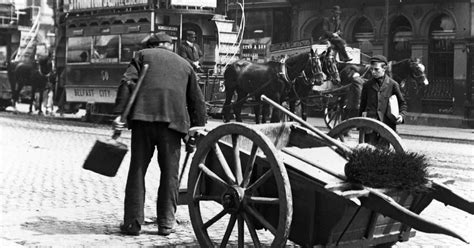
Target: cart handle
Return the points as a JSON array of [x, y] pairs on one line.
[[346, 151]]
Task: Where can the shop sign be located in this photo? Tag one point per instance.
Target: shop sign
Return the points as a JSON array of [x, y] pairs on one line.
[[172, 31], [194, 3], [89, 94], [290, 45]]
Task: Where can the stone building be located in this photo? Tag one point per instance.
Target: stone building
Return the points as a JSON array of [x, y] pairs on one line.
[[440, 33]]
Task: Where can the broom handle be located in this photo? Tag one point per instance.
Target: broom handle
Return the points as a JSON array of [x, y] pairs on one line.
[[131, 100], [345, 149]]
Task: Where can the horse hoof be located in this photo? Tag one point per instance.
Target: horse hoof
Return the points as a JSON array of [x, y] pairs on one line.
[[40, 113]]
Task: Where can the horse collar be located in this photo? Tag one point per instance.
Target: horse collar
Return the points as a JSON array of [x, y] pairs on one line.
[[284, 72]]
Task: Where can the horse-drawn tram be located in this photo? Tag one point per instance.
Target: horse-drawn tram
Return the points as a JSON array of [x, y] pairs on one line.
[[283, 181]]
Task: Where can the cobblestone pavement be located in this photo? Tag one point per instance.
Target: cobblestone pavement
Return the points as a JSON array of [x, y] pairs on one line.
[[47, 199]]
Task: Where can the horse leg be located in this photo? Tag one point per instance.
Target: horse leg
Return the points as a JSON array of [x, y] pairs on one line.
[[227, 105], [303, 111], [275, 112], [40, 101], [238, 105], [257, 111], [32, 99]]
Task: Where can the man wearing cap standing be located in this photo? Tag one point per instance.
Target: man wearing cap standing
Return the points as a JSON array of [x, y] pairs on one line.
[[375, 96], [190, 51], [168, 103]]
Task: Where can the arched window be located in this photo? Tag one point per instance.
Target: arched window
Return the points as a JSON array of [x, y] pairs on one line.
[[400, 36], [363, 34]]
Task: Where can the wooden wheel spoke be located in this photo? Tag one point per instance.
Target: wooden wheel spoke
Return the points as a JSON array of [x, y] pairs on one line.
[[212, 175], [207, 198], [214, 219], [238, 165], [224, 164], [252, 231], [249, 167], [263, 200], [261, 180], [260, 218], [362, 135], [240, 231], [228, 230]]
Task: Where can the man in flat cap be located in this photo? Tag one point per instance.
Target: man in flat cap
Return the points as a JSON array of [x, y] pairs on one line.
[[375, 97], [169, 104], [191, 51]]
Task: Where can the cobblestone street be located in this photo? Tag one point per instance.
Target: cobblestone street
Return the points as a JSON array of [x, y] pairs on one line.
[[48, 199]]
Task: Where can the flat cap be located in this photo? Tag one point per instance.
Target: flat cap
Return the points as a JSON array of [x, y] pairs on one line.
[[336, 9], [158, 38], [378, 58], [190, 33]]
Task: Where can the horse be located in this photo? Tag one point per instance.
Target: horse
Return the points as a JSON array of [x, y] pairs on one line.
[[272, 79], [302, 87], [36, 74]]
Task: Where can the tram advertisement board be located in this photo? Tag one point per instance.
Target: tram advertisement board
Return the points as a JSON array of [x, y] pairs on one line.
[[194, 3], [91, 4]]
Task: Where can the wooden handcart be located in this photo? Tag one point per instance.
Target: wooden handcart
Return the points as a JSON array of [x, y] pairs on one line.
[[260, 185]]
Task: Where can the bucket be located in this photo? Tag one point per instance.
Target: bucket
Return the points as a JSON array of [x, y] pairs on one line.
[[105, 157]]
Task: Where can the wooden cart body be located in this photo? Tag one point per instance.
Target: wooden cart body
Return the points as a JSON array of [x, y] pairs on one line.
[[304, 197], [321, 216]]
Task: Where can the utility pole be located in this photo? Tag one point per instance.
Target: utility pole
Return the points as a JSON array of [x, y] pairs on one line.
[[387, 26]]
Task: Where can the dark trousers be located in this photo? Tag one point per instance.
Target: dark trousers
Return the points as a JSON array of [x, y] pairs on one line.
[[145, 137]]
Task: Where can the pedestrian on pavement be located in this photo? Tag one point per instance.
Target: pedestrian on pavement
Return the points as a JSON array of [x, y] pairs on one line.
[[375, 97], [191, 51], [168, 103]]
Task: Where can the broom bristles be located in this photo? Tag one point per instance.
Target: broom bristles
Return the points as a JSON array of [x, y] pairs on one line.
[[383, 168]]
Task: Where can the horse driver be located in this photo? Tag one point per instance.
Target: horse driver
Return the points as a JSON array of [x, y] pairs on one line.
[[332, 35], [191, 51]]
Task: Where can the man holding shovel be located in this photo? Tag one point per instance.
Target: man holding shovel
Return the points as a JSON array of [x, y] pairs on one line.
[[168, 103]]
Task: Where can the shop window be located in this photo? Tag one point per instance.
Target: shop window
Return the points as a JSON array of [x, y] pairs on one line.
[[105, 49], [79, 49], [130, 44], [400, 37], [364, 35]]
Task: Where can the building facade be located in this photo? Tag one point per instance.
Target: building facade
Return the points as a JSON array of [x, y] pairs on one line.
[[440, 33]]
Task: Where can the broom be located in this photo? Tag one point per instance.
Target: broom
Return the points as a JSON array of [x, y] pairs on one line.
[[375, 199]]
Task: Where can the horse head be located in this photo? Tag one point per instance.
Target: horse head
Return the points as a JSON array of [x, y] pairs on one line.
[[317, 75], [329, 66], [418, 71]]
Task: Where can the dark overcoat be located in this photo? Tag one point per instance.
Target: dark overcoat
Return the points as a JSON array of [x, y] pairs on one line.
[[374, 100], [169, 92]]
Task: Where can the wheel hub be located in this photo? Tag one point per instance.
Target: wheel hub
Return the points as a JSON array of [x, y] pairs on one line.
[[232, 199]]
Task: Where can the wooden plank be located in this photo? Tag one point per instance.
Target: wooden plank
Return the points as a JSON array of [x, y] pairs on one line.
[[324, 158]]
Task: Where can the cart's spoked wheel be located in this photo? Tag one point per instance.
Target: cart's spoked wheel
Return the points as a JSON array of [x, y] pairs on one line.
[[333, 114], [236, 177], [365, 130]]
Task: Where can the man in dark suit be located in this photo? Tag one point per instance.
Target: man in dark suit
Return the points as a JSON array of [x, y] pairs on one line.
[[191, 51], [376, 93], [168, 103]]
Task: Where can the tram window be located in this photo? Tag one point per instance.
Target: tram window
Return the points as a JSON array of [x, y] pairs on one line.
[[79, 49], [130, 44], [105, 49]]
